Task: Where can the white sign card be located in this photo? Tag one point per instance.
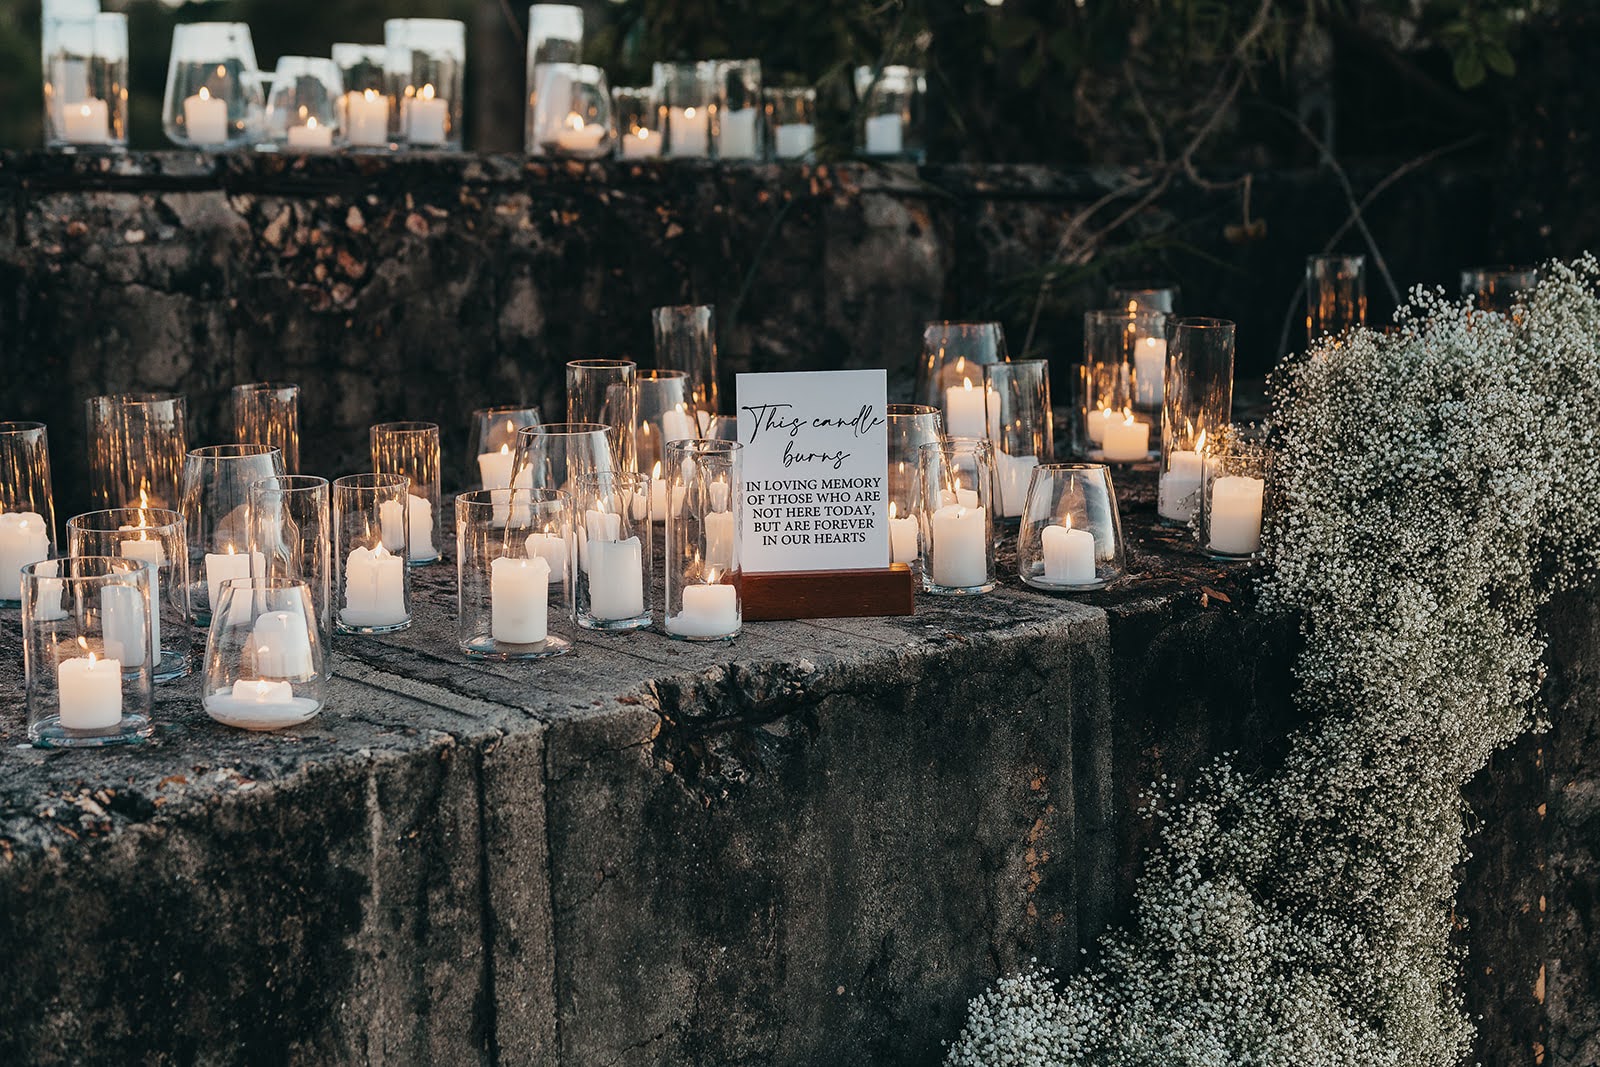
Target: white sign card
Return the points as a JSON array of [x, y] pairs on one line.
[[816, 470]]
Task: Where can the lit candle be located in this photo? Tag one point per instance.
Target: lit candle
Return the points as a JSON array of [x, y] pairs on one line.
[[123, 623], [1097, 423], [1068, 555], [719, 539], [23, 540], [283, 645], [640, 143], [260, 704], [86, 122], [553, 549], [1015, 473], [577, 136], [687, 132], [206, 118], [736, 138], [902, 537], [885, 136], [1127, 441], [1149, 366], [658, 494], [1178, 496], [310, 136], [1234, 521], [418, 512], [708, 611], [154, 557], [90, 691], [960, 548], [221, 566], [366, 118], [675, 426], [374, 588], [494, 468], [616, 579], [795, 140], [519, 600], [964, 411], [426, 117], [967, 498]]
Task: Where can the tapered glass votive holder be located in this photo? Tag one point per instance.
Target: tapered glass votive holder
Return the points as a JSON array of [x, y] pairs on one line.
[[427, 59], [1071, 536], [213, 86], [87, 651], [411, 450], [215, 504], [702, 564], [266, 667], [686, 340], [371, 583], [1234, 499], [138, 444], [910, 427], [291, 531], [1497, 288], [638, 116], [268, 413], [1198, 407], [792, 116], [86, 82], [494, 444], [686, 98], [572, 118], [606, 391], [1336, 295], [1021, 427], [554, 455], [958, 507], [154, 537], [665, 415], [739, 126], [614, 558], [1145, 296], [367, 114], [950, 373], [27, 503], [891, 112], [507, 582], [304, 112], [1119, 426]]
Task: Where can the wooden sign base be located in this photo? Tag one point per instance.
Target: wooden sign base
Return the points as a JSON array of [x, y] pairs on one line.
[[827, 594]]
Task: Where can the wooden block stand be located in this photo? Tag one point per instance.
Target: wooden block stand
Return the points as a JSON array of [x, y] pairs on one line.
[[827, 594]]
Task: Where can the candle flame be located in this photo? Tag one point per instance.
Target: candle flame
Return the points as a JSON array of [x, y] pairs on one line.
[[574, 121], [222, 70], [1133, 305], [263, 687], [205, 94], [967, 383], [370, 94], [892, 509], [84, 111], [688, 112], [311, 123], [655, 472], [1200, 442], [642, 133], [231, 550], [505, 450], [427, 91], [1127, 416]]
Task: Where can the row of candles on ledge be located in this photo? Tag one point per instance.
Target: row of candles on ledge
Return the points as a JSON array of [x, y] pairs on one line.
[[407, 93]]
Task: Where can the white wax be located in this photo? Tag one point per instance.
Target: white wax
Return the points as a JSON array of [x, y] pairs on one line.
[[960, 546], [1097, 423], [122, 623], [964, 411], [154, 557], [794, 140], [90, 692], [885, 136], [552, 548], [1126, 441], [616, 579], [579, 137], [1068, 555], [426, 117], [1015, 474], [419, 511], [1235, 516], [708, 611], [500, 500], [675, 426], [519, 600], [282, 642], [86, 122], [312, 135], [1178, 496], [902, 539], [1149, 368], [366, 118], [258, 704], [23, 540], [49, 594], [602, 525], [494, 468], [206, 118], [221, 566], [737, 134], [719, 495], [374, 588], [967, 498], [687, 132], [719, 539], [640, 144]]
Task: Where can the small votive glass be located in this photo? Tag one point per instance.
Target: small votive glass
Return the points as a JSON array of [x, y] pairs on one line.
[[1234, 498], [215, 503], [154, 537], [509, 573], [213, 86], [137, 448], [27, 503], [291, 532], [638, 116], [738, 123], [958, 507], [554, 455], [792, 115], [1336, 295], [686, 340], [427, 59], [1497, 288], [573, 116], [910, 427], [411, 450], [494, 444], [304, 110], [686, 94], [1071, 536], [606, 391], [665, 415], [1021, 427], [371, 583], [86, 83], [1116, 432], [1145, 296], [891, 112], [953, 357], [702, 564], [612, 591], [366, 110], [1198, 407], [265, 660], [268, 413], [87, 651]]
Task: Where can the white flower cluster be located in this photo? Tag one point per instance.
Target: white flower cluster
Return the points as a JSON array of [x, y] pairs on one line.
[[1436, 484]]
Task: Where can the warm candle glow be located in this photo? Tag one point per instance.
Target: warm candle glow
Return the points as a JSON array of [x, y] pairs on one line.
[[427, 92]]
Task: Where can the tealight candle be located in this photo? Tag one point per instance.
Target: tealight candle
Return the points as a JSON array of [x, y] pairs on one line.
[[85, 122], [366, 118], [1126, 441], [688, 131], [1149, 366], [1177, 496], [616, 579], [1234, 521], [577, 136], [1068, 555], [426, 117], [1097, 423], [902, 537], [221, 566], [260, 704], [965, 410], [640, 144], [708, 611], [23, 540], [206, 118], [519, 600], [310, 136], [90, 692], [374, 588], [885, 136], [960, 546]]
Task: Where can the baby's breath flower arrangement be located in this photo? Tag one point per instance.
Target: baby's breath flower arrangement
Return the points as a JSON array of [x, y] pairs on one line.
[[1436, 485]]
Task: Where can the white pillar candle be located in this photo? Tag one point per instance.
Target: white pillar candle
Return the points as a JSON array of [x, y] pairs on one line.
[[675, 426], [1015, 473], [49, 594], [602, 525], [902, 537], [577, 136], [553, 549], [1178, 497], [260, 704], [1126, 441], [960, 547], [737, 138], [640, 144], [313, 135], [795, 140], [519, 600], [616, 579], [23, 540], [687, 131], [283, 646], [1068, 555], [885, 135], [426, 117], [967, 498], [122, 622], [366, 118], [708, 611], [86, 122], [417, 514], [719, 539], [154, 558], [658, 494], [206, 118], [1235, 517], [374, 588], [1149, 368], [221, 566], [494, 468], [965, 411], [1097, 423], [90, 691]]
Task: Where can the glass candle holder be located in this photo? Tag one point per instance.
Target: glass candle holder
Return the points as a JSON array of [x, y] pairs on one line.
[[1496, 288], [371, 583], [1021, 427], [494, 444], [1071, 536], [665, 414], [411, 450], [215, 503], [573, 118], [268, 413], [154, 537], [1234, 499], [265, 666], [792, 115], [137, 446], [291, 531], [1199, 404], [555, 35], [638, 116], [612, 590], [27, 503], [555, 454], [958, 507], [954, 355], [606, 391], [716, 427], [1119, 430], [1145, 296], [891, 112], [86, 83], [686, 340], [702, 540], [213, 86], [686, 93], [738, 128], [87, 651], [910, 427], [304, 111], [427, 60], [511, 559], [1336, 295], [61, 55], [366, 110]]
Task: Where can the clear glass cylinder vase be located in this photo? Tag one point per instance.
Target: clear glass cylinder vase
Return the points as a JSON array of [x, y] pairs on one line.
[[612, 517], [138, 444], [215, 504], [513, 550], [1235, 499], [493, 445], [1021, 427], [156, 538], [958, 513], [427, 61], [606, 391], [1123, 359], [291, 531], [411, 450], [86, 82], [27, 503], [792, 117], [686, 340], [639, 118], [371, 583], [739, 120], [953, 357], [910, 427], [687, 94], [266, 666], [891, 108], [1336, 295], [554, 455], [367, 111], [1198, 406], [305, 110], [705, 481], [268, 413]]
